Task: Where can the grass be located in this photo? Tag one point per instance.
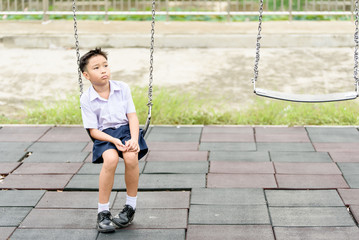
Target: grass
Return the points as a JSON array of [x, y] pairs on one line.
[[173, 107]]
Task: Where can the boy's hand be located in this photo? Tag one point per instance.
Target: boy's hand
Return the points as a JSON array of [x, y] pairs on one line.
[[132, 146], [119, 145]]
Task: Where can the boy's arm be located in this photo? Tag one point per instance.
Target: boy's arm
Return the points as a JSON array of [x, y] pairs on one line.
[[99, 135], [134, 129]]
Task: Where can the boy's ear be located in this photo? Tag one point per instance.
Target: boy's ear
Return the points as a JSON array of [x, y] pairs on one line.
[[86, 75]]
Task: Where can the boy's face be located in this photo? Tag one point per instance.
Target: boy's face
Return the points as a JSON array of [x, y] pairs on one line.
[[97, 71]]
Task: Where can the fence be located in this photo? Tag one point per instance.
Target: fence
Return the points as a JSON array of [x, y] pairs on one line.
[[176, 7]]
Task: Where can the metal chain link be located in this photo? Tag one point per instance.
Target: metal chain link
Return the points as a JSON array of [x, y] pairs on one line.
[[258, 45], [77, 48], [356, 40], [151, 53]]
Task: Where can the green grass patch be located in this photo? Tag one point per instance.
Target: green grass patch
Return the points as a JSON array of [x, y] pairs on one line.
[[174, 107]]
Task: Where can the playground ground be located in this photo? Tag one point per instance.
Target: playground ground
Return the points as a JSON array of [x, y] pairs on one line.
[[197, 182]]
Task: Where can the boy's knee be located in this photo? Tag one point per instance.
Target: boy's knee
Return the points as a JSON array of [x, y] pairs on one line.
[[130, 159], [110, 160]]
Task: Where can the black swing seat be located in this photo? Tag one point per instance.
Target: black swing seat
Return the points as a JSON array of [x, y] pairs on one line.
[[331, 97]]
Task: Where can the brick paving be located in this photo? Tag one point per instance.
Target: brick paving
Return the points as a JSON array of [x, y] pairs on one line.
[[197, 182]]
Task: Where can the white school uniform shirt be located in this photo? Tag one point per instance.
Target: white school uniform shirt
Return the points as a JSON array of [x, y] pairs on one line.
[[100, 113]]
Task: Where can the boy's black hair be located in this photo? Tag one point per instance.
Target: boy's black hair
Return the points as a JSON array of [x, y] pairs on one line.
[[84, 60]]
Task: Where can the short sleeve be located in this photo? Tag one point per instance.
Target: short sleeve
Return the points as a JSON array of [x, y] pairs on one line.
[[89, 118], [130, 105]]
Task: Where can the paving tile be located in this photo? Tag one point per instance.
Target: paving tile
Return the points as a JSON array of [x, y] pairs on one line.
[[344, 157], [241, 167], [58, 147], [5, 232], [95, 169], [88, 147], [176, 156], [281, 134], [173, 137], [227, 137], [148, 234], [337, 147], [156, 199], [311, 181], [22, 133], [14, 146], [300, 157], [310, 217], [355, 211], [349, 168], [239, 156], [159, 218], [228, 129], [90, 182], [54, 234], [172, 181], [280, 130], [50, 182], [20, 198], [173, 146], [284, 146], [60, 218], [227, 196], [220, 146], [11, 155], [66, 134], [89, 158], [215, 180], [6, 168], [333, 134], [306, 168], [349, 196], [176, 167], [53, 157], [48, 168], [12, 216], [317, 233], [241, 214], [216, 232], [176, 129], [352, 180], [303, 198], [70, 199]]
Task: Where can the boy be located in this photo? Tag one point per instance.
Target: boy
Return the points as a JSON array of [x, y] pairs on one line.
[[109, 114]]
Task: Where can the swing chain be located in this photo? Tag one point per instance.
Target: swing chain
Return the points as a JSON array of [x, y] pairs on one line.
[[149, 104], [258, 45], [77, 48], [356, 40]]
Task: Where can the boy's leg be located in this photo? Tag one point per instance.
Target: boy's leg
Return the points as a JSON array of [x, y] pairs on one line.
[[106, 179], [132, 173], [107, 174], [125, 217]]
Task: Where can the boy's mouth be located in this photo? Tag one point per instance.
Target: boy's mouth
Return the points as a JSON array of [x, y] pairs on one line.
[[104, 77]]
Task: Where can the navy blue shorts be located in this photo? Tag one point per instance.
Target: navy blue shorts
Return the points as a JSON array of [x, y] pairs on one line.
[[122, 133]]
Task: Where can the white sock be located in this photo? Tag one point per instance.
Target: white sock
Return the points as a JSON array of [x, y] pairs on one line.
[[131, 201], [103, 207]]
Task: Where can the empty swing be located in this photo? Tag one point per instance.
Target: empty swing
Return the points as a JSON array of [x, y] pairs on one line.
[[340, 96], [77, 46]]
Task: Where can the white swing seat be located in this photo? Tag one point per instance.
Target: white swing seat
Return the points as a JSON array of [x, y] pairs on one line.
[[331, 97]]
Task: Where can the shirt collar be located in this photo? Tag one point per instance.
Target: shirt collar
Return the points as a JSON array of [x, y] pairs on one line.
[[94, 94]]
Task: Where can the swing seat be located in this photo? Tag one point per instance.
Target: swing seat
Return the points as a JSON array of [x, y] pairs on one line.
[[331, 97]]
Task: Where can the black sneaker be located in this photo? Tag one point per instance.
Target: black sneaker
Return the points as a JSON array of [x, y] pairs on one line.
[[104, 223], [125, 217]]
